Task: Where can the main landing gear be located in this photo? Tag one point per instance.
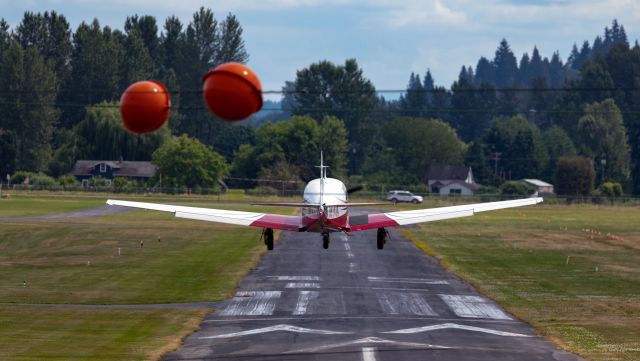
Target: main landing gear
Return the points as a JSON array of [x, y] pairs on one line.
[[382, 237], [267, 235], [325, 240]]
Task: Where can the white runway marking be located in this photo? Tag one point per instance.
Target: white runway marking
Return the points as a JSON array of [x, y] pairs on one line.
[[295, 278], [347, 246], [303, 301], [287, 328], [473, 307], [408, 280], [368, 354], [344, 237], [352, 267], [397, 303], [457, 326], [350, 255], [302, 285], [370, 341], [258, 303]]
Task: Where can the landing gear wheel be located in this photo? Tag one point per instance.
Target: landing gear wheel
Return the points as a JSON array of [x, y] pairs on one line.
[[268, 238], [325, 241], [382, 237]]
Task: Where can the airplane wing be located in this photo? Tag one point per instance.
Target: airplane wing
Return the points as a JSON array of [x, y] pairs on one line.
[[252, 219], [391, 219]]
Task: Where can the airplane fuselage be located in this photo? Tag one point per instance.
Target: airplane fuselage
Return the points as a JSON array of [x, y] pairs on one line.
[[333, 215]]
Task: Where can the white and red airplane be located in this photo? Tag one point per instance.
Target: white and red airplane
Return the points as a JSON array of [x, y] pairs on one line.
[[325, 210]]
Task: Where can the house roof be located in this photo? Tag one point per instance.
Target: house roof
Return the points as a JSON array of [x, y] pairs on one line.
[[121, 168], [538, 183], [440, 171]]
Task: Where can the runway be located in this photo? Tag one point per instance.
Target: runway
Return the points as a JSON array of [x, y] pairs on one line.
[[354, 302]]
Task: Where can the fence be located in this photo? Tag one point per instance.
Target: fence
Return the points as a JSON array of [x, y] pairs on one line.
[[378, 194]]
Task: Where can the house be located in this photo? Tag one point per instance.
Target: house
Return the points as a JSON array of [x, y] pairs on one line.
[[451, 180], [84, 170], [540, 186]]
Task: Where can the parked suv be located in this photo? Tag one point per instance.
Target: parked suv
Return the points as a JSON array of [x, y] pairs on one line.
[[403, 196]]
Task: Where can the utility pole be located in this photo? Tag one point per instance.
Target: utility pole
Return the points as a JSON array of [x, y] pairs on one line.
[[496, 158]]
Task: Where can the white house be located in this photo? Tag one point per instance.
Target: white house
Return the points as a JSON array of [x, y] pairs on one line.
[[451, 180]]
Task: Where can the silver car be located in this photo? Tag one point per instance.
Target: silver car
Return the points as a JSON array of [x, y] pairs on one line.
[[403, 196]]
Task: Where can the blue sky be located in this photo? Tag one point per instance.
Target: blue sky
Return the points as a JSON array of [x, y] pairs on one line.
[[389, 38]]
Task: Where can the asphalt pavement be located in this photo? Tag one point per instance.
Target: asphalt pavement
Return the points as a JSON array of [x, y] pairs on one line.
[[355, 302]]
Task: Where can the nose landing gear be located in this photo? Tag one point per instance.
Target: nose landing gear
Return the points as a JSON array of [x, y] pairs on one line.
[[325, 240]]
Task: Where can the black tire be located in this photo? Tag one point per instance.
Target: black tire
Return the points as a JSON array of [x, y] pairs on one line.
[[325, 241], [394, 201], [268, 239], [414, 201], [381, 238]]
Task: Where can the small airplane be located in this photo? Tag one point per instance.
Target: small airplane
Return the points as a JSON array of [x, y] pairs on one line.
[[325, 210]]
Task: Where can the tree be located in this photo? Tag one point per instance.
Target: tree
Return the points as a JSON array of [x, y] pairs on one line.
[[137, 63], [558, 144], [101, 135], [185, 162], [27, 114], [231, 43], [574, 175], [420, 143], [95, 74], [519, 142], [476, 159], [325, 89], [506, 66], [603, 137]]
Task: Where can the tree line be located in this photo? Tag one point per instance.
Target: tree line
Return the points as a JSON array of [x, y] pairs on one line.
[[508, 119]]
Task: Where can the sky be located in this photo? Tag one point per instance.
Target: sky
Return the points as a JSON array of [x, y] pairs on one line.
[[389, 38]]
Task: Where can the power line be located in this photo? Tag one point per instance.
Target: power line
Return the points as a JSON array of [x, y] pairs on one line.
[[334, 92]]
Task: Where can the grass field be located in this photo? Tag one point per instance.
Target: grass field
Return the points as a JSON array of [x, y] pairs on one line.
[[76, 261], [580, 288], [571, 271]]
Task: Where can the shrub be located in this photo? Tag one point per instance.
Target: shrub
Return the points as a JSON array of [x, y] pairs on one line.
[[610, 189], [515, 188], [574, 176], [67, 180]]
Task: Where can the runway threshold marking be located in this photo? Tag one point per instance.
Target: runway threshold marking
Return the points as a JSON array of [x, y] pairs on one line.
[[473, 307], [400, 303], [444, 326], [252, 303], [282, 327], [303, 301]]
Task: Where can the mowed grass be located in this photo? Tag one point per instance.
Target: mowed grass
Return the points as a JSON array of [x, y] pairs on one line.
[[27, 206], [571, 271], [76, 261], [53, 333]]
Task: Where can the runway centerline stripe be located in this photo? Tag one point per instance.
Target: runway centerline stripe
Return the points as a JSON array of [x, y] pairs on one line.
[[369, 341], [408, 280], [302, 285], [303, 301], [350, 255], [369, 354], [347, 246], [295, 278], [473, 307], [252, 303]]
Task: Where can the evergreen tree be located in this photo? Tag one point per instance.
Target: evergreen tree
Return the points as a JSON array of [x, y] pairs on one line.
[[524, 76], [485, 72], [147, 29], [137, 63], [506, 66], [557, 75], [231, 46], [27, 111]]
